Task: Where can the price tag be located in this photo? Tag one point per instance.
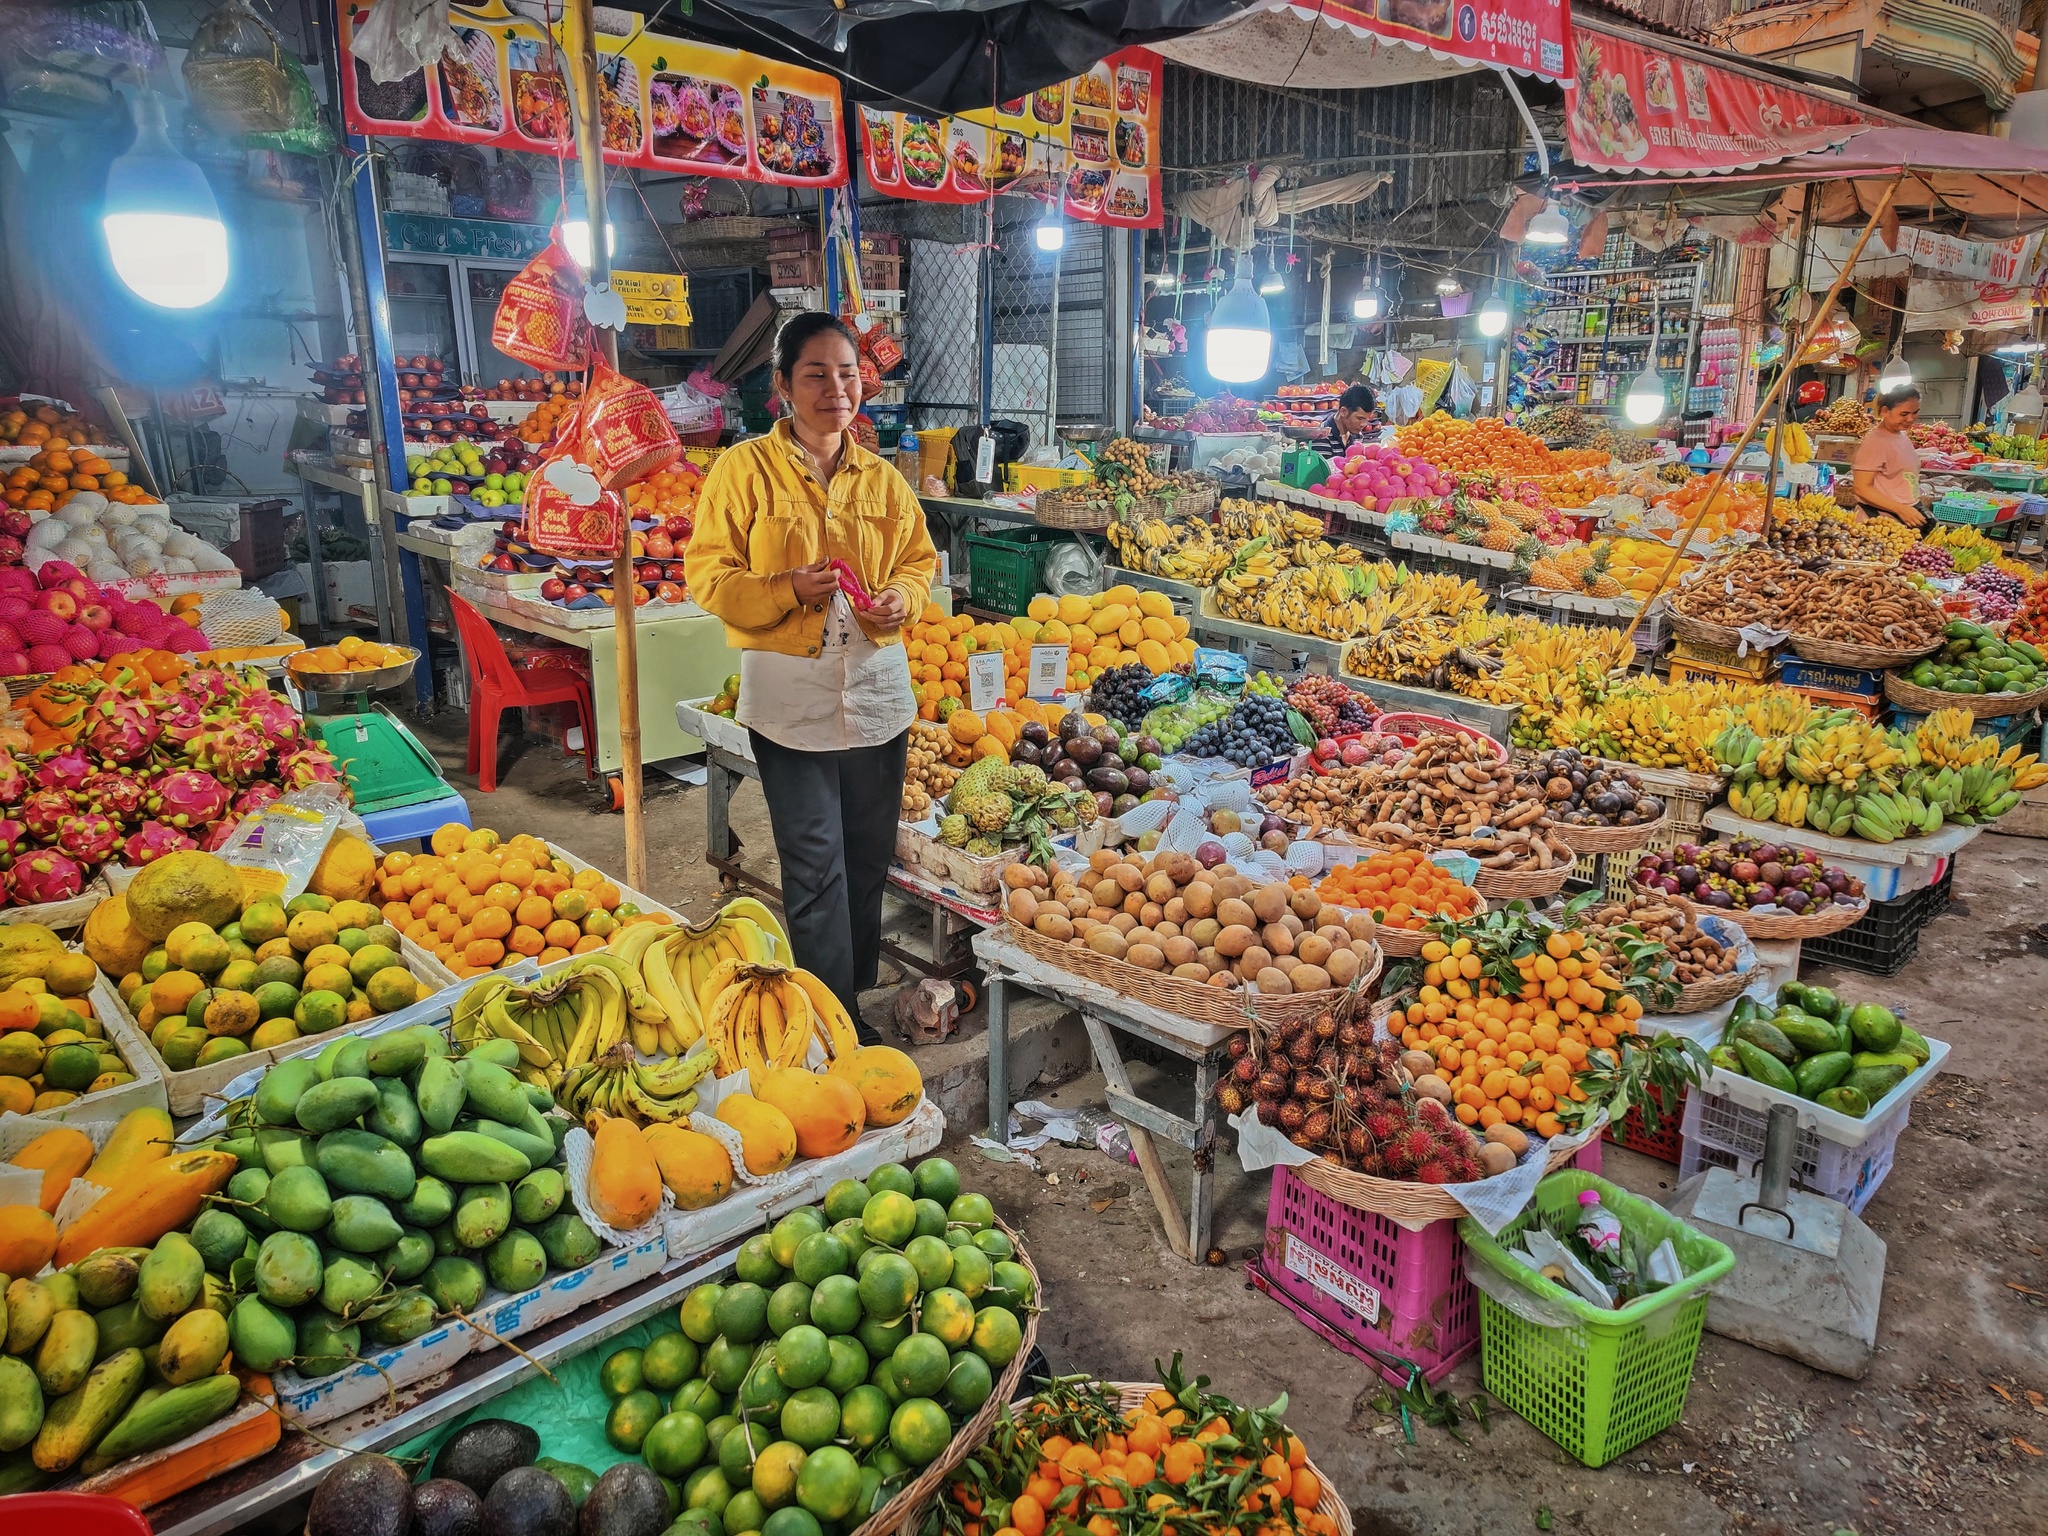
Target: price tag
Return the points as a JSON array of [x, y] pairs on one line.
[[1048, 677], [985, 459], [985, 681]]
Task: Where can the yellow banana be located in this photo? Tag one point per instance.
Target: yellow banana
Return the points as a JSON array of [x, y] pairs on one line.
[[666, 1079], [714, 984], [657, 969], [830, 1020], [757, 912], [771, 1022], [747, 1031], [502, 1024], [645, 1038], [799, 1020]]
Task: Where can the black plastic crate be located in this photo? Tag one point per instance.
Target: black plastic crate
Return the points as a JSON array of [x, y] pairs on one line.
[[1885, 941]]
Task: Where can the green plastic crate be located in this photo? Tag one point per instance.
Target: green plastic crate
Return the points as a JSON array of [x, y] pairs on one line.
[[1006, 566], [1613, 1379], [384, 762]]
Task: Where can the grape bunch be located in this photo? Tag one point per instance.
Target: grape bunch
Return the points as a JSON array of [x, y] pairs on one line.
[[1330, 707], [1171, 725], [1256, 733], [1265, 685], [1929, 560], [1117, 694]]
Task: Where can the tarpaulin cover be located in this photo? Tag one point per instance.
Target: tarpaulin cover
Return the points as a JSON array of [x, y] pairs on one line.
[[1363, 43]]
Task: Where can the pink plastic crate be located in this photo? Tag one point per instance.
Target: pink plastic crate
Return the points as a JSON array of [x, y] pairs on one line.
[[1360, 1280]]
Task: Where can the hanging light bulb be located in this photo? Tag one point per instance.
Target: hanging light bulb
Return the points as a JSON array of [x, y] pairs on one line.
[[1370, 303], [576, 232], [1275, 281], [1448, 286], [1548, 227], [1493, 316], [1646, 399], [163, 228], [1240, 344], [1895, 374], [1051, 233], [1164, 279]]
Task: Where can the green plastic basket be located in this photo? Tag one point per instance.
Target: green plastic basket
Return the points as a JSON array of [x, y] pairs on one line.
[[1613, 1379], [1006, 566]]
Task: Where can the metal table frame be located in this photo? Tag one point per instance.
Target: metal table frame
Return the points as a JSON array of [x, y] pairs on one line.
[[300, 1461], [951, 953], [1196, 1042]]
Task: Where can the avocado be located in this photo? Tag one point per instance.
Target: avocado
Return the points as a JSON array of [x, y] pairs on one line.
[[1821, 1003], [1765, 1067], [444, 1507], [572, 1475], [627, 1501], [481, 1453], [529, 1502], [364, 1496], [1809, 1036], [1767, 1037], [1875, 1028]]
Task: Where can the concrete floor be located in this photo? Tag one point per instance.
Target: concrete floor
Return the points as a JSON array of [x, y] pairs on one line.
[[1944, 1435]]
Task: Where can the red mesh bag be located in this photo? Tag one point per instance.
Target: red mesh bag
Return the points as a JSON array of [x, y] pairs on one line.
[[624, 433], [870, 378], [540, 314], [885, 349], [557, 525]]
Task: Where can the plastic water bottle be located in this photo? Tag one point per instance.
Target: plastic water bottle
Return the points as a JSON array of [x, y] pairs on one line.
[[907, 456], [1597, 1227]]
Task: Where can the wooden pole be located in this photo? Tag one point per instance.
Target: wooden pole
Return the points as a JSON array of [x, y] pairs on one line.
[[1764, 407], [1805, 250], [581, 36]]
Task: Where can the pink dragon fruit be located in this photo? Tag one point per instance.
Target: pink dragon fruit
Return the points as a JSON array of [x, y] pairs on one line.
[[209, 685], [14, 838], [255, 797], [307, 766], [121, 729], [217, 835], [65, 769], [189, 798], [45, 811], [182, 718], [45, 875], [119, 795], [89, 838], [13, 782], [150, 842], [273, 715], [234, 750]]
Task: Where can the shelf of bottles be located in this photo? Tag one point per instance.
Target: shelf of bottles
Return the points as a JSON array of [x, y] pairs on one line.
[[1593, 330]]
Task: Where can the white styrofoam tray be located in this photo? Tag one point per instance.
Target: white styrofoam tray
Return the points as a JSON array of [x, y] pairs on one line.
[[1948, 839], [728, 735], [1846, 1130]]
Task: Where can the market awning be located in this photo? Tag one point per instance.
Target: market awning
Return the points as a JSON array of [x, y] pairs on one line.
[[1348, 44], [1994, 188], [1650, 105]]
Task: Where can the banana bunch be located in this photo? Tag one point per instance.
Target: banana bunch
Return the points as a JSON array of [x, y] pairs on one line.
[[675, 962], [1792, 441], [1523, 658], [1882, 817], [1788, 804], [1948, 739], [1410, 654], [757, 1016], [1237, 518], [619, 1085], [1737, 750], [565, 1020], [1843, 754]]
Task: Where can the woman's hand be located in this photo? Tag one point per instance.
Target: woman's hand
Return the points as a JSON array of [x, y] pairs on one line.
[[1912, 517], [814, 583], [888, 608]]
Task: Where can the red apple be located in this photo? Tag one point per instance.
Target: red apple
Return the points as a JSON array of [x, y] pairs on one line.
[[95, 616], [659, 545], [574, 591], [553, 588], [58, 603], [641, 595], [674, 571]]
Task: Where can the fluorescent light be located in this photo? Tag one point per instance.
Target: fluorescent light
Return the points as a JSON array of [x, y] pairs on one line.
[[1493, 317], [1895, 374], [2021, 348], [1370, 303], [163, 228], [1051, 233], [1240, 344], [1548, 227], [1646, 398]]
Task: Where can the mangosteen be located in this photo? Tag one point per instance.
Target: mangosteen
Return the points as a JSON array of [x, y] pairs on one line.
[[1139, 780], [1034, 732], [1744, 870], [1577, 778], [1072, 725], [1762, 893], [1558, 789], [1772, 873], [1794, 900], [1718, 898], [1085, 750], [1605, 804], [1650, 806], [1688, 878]]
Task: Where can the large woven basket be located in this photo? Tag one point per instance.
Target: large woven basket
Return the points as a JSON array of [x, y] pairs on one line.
[[1700, 632], [1406, 943], [1611, 839], [1397, 1199], [1868, 658], [1227, 1008], [897, 1514], [1985, 706], [1832, 918], [1071, 507], [1508, 884], [1696, 996]]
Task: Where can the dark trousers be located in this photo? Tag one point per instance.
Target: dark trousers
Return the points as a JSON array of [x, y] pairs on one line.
[[834, 816]]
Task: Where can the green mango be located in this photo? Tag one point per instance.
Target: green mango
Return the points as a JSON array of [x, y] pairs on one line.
[[456, 1284], [401, 1320], [432, 1203], [483, 1213], [1875, 1028], [439, 1093], [288, 1270], [366, 1163], [278, 1095], [408, 1258], [347, 1285], [537, 1150], [263, 1336], [172, 1277], [465, 1157], [396, 1118], [1819, 1073], [395, 1054], [298, 1200], [326, 1345], [363, 1224], [284, 1147], [1765, 1067], [1845, 1100], [220, 1236], [341, 1100], [247, 1151], [493, 1091], [352, 1060], [568, 1241], [538, 1196], [125, 1327], [516, 1262], [501, 1053], [247, 1189]]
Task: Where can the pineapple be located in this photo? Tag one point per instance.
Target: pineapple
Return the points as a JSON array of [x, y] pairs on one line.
[[1500, 535], [1549, 575], [1574, 562], [1595, 578]]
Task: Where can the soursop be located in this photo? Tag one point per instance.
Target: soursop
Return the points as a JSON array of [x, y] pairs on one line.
[[954, 831]]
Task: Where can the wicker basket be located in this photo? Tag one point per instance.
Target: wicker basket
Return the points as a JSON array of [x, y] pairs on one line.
[[1985, 706], [1508, 884], [1071, 507], [1832, 918], [1406, 943], [898, 1513], [1397, 1199], [1868, 658], [1696, 996], [1612, 839], [1227, 1008], [1700, 632]]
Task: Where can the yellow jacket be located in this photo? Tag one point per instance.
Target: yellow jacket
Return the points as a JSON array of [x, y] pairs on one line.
[[762, 513]]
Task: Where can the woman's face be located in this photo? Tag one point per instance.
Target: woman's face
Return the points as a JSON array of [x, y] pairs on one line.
[[823, 389], [1900, 417]]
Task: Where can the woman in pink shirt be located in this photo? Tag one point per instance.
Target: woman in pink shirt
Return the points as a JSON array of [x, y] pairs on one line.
[[1887, 466]]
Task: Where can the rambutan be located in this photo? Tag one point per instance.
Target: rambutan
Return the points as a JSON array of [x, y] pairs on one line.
[[1418, 1145], [1237, 1046], [1357, 1145], [1349, 1036], [1324, 1028], [1245, 1070], [1301, 1083], [1435, 1171], [1292, 1115], [1372, 1165], [1269, 1111], [1321, 1090], [1383, 1125], [1302, 1048], [1316, 1128], [1230, 1098], [1270, 1084], [1327, 1059], [1431, 1112]]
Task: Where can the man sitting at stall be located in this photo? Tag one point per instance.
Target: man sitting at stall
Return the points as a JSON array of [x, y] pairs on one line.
[[1357, 415]]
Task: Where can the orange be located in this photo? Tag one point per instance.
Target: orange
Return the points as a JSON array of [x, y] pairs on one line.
[[534, 912], [607, 895], [485, 952], [447, 838], [551, 954], [526, 941], [502, 893], [491, 923], [559, 932], [586, 879], [586, 944]]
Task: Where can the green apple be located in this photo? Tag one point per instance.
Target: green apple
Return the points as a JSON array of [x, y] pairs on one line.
[[495, 482], [443, 488]]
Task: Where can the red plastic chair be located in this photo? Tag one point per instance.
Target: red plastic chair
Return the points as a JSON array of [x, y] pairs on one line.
[[71, 1514], [495, 685]]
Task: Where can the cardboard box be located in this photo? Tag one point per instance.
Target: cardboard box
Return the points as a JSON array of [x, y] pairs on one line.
[[651, 285], [658, 311]]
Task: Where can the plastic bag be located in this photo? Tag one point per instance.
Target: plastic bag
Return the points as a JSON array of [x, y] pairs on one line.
[[235, 73], [308, 133], [402, 37], [568, 512], [1462, 391], [690, 410], [539, 319], [276, 851], [624, 434]]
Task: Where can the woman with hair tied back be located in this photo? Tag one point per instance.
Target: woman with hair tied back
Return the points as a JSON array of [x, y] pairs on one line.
[[1886, 467], [824, 681]]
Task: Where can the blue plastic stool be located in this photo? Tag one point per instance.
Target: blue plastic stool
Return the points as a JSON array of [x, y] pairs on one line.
[[408, 823]]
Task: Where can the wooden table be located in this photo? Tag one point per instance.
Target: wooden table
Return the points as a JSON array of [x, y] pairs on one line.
[[1104, 1014]]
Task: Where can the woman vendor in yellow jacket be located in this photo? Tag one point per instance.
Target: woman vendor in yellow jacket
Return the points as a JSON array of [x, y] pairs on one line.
[[825, 689]]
